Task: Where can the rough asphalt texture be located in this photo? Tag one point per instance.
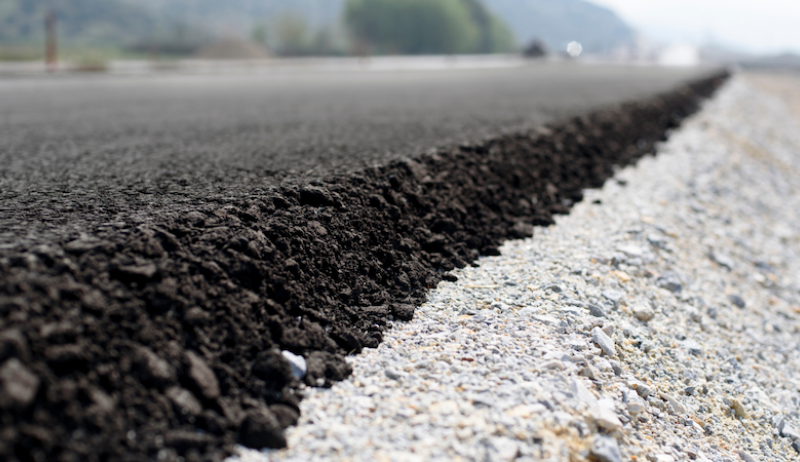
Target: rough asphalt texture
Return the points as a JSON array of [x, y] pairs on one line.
[[78, 152], [136, 342], [657, 322]]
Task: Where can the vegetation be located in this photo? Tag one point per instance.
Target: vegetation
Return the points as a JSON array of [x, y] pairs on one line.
[[80, 22], [427, 26]]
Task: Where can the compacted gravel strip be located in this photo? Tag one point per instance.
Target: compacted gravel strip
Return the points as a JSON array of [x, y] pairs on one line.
[[169, 338], [658, 322]]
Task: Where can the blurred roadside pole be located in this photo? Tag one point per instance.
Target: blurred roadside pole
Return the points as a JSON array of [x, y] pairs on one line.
[[51, 41]]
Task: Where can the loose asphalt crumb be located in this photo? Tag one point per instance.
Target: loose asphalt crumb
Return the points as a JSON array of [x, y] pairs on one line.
[[659, 322], [167, 340]]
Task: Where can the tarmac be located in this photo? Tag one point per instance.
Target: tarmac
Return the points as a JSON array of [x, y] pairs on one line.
[[84, 149]]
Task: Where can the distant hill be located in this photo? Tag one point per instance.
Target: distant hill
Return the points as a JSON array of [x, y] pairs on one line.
[[185, 22], [79, 21], [558, 22], [232, 16]]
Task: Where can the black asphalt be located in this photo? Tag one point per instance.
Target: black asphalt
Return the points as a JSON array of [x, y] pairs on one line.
[[80, 151]]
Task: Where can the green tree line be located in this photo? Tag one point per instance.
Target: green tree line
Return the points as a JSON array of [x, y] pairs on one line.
[[427, 27]]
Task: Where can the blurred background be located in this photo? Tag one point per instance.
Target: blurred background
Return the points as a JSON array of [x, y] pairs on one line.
[[97, 35]]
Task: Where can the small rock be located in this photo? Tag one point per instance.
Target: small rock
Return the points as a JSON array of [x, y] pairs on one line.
[[286, 416], [632, 251], [393, 375], [664, 458], [693, 348], [18, 385], [642, 389], [634, 402], [260, 429], [604, 342], [675, 405], [554, 364], [596, 311], [503, 449], [737, 300], [721, 259], [184, 400], [605, 449], [614, 296], [153, 367], [203, 377], [13, 343], [643, 313], [738, 408], [796, 446], [583, 394], [604, 415], [591, 372], [196, 316], [297, 362], [790, 432], [670, 281], [746, 457]]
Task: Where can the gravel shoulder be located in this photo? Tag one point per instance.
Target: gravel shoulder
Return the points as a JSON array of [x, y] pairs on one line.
[[658, 321]]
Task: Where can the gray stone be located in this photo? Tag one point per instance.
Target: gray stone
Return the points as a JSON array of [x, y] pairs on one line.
[[693, 348], [604, 415], [670, 281], [604, 342], [596, 311], [746, 457], [203, 377], [790, 432], [642, 389], [643, 313], [634, 402], [737, 300], [184, 400], [614, 296], [18, 385], [153, 367], [605, 449], [721, 259], [297, 362], [260, 429]]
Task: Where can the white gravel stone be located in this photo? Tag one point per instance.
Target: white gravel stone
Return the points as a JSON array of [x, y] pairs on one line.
[[604, 341], [507, 382], [297, 362]]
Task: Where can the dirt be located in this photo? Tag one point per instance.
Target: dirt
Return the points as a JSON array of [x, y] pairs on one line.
[[165, 340]]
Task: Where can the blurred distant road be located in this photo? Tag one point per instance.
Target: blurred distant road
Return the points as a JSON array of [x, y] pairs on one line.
[[94, 147]]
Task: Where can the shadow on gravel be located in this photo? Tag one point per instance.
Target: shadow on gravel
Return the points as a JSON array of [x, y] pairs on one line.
[[167, 340]]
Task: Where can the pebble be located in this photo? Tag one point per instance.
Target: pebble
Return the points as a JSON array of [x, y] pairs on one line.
[[510, 363], [604, 341], [604, 415], [643, 313], [297, 362], [605, 449], [18, 385]]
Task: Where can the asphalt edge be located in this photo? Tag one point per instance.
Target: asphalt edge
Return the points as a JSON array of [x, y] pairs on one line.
[[320, 270]]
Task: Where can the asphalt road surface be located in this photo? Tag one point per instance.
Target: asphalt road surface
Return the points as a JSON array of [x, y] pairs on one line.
[[82, 150]]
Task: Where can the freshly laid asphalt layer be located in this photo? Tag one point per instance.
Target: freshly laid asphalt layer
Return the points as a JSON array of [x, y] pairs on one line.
[[145, 314], [82, 150]]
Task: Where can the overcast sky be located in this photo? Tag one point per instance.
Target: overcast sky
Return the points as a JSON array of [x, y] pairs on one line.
[[760, 26]]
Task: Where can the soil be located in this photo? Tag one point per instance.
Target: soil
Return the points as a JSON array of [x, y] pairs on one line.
[[164, 341]]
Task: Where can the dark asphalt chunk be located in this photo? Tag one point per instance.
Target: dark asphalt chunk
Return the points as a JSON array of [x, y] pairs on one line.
[[78, 152], [164, 337]]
